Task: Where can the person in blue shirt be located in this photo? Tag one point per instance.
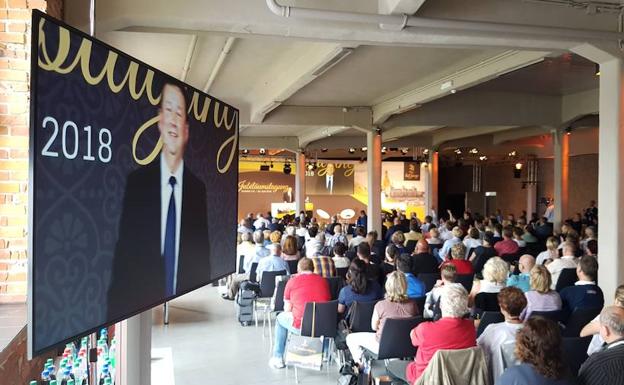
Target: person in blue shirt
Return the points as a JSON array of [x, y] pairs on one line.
[[362, 220], [359, 287], [274, 262], [585, 294], [522, 280], [415, 287]]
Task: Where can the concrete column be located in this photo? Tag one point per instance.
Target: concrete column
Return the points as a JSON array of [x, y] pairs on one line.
[[135, 350], [434, 181], [610, 180], [300, 182], [561, 143], [373, 166], [476, 177], [427, 175]]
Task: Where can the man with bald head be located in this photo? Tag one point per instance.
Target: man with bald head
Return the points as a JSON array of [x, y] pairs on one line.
[[607, 365], [422, 259], [522, 280]]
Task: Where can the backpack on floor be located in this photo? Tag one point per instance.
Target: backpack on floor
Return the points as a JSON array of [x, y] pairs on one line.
[[244, 305]]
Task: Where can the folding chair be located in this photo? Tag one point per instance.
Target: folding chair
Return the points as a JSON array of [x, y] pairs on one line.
[[567, 277], [577, 321], [466, 280], [267, 288], [361, 315], [429, 279]]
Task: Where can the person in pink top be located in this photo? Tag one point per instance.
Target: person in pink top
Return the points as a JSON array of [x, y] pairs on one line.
[[507, 245], [452, 331]]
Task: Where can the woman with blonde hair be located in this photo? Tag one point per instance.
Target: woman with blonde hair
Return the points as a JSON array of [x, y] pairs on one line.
[[593, 328], [495, 273], [540, 297], [395, 305], [551, 252], [398, 239]]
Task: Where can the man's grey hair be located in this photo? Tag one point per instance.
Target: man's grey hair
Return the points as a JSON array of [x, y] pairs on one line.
[[246, 236], [258, 237], [613, 318], [569, 247], [454, 301]]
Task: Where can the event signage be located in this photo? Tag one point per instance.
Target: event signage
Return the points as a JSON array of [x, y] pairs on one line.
[[133, 186]]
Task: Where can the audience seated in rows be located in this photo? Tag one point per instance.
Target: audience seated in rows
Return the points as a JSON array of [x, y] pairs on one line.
[[458, 255], [395, 305], [551, 253], [300, 289], [422, 260], [455, 239], [538, 348], [483, 253], [541, 297], [566, 261], [452, 331], [512, 301], [447, 275], [359, 287], [259, 253], [522, 280], [593, 328], [507, 246]]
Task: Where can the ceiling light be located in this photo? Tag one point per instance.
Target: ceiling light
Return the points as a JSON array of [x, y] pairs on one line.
[[458, 151], [404, 151], [383, 150], [245, 151], [351, 150], [597, 69], [425, 151], [262, 151], [323, 150], [474, 151], [446, 85], [483, 157], [453, 91], [512, 153], [518, 166], [364, 149], [287, 168]]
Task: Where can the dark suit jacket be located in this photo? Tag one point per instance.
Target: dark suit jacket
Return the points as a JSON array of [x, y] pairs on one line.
[[138, 276]]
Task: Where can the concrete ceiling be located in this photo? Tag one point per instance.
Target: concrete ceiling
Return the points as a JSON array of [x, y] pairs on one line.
[[292, 78]]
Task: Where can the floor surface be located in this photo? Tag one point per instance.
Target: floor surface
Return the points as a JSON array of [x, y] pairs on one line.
[[209, 346], [12, 320]]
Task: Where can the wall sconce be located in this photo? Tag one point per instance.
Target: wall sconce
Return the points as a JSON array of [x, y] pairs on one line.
[[518, 170]]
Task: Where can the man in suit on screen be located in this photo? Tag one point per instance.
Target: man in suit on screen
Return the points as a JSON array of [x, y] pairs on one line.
[[162, 248]]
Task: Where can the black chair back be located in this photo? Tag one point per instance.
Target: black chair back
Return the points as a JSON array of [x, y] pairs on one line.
[[420, 303], [395, 341], [575, 352], [351, 254], [292, 266], [252, 272], [429, 279], [511, 259], [410, 246], [577, 321], [554, 315], [486, 302], [361, 315], [567, 277], [241, 264], [466, 280], [326, 319], [342, 272], [300, 243], [335, 284], [267, 284], [278, 304], [487, 318]]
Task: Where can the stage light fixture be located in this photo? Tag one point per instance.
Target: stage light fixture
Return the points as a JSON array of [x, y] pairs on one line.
[[518, 166], [287, 168], [384, 150], [245, 151], [597, 69], [517, 170], [262, 151], [483, 157], [323, 150], [426, 151], [458, 151], [351, 150], [364, 149], [404, 151], [474, 150]]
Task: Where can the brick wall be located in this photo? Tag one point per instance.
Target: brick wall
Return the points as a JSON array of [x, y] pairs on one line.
[[15, 16]]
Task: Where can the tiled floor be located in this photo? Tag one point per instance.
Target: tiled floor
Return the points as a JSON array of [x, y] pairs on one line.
[[12, 320], [210, 347]]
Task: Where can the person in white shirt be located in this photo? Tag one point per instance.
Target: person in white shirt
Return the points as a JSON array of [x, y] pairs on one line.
[[434, 237], [302, 231], [360, 236], [495, 273], [449, 243], [593, 328], [261, 222], [340, 261], [517, 236], [511, 301], [551, 252], [448, 274], [245, 250], [446, 231], [337, 237], [567, 261], [549, 214], [472, 241]]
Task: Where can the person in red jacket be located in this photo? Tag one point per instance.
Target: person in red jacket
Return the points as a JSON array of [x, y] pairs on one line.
[[452, 331], [507, 245], [301, 288], [458, 259]]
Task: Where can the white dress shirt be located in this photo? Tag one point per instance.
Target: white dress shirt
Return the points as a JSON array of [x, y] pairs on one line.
[[165, 196], [491, 340], [555, 267]]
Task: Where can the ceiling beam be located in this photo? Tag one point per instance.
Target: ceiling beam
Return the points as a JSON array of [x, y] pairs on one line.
[[519, 133], [478, 73], [319, 133], [448, 133], [401, 132], [290, 143], [338, 142], [321, 116], [301, 67]]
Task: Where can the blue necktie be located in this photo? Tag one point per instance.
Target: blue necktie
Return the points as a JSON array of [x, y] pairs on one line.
[[170, 244]]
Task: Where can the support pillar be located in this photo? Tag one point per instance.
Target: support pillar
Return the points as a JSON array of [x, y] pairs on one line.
[[476, 177], [135, 350], [561, 141], [373, 166], [434, 181], [428, 185], [300, 182], [610, 180]]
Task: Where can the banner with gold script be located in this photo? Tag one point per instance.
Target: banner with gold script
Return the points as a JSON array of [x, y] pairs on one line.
[[134, 185], [411, 171]]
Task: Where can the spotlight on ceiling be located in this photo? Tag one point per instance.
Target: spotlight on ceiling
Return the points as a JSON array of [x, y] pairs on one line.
[[458, 151], [518, 166], [287, 168], [310, 166], [474, 150], [262, 151], [483, 158], [512, 153], [384, 150], [453, 91], [351, 150], [597, 69], [364, 149], [323, 150], [426, 151], [245, 151], [404, 151], [517, 170]]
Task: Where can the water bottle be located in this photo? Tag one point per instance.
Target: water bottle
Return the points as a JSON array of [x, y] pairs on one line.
[[51, 370], [112, 355], [32, 383], [65, 377], [105, 376], [45, 377]]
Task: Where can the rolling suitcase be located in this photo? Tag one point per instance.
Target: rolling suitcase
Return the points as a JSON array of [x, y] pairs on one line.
[[244, 305]]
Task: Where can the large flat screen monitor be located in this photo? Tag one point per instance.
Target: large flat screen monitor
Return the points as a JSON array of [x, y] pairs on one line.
[[133, 186]]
